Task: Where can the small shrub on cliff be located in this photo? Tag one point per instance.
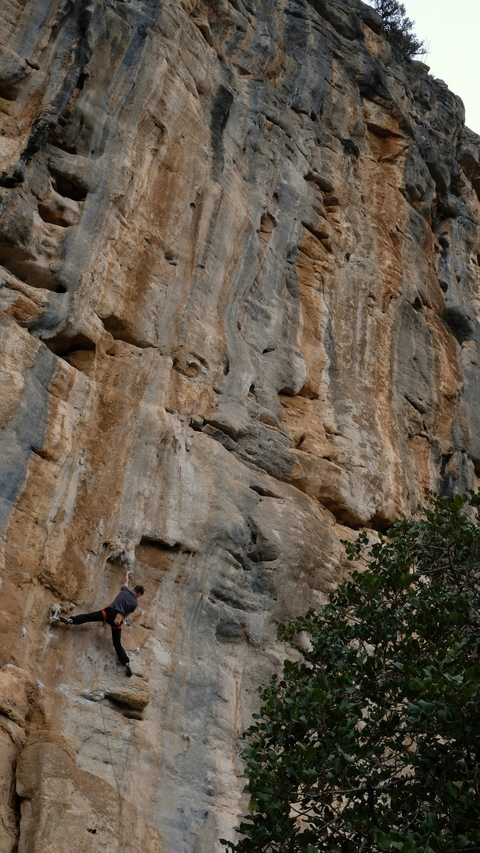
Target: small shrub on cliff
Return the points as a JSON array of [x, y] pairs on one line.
[[398, 28], [371, 740]]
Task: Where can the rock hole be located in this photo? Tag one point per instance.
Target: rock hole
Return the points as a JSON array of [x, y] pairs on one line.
[[62, 146], [192, 369], [8, 92], [267, 223], [196, 423], [43, 454], [418, 304], [444, 245], [63, 346], [222, 103], [226, 367], [52, 216], [93, 831], [308, 392], [128, 711], [446, 479], [380, 523], [459, 323], [350, 148], [120, 331], [264, 493], [159, 543], [192, 366], [68, 188], [29, 271]]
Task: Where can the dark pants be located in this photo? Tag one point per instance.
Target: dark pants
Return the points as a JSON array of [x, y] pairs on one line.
[[97, 616]]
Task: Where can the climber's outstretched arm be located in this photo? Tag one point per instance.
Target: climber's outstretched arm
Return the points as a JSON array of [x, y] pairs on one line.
[[128, 575]]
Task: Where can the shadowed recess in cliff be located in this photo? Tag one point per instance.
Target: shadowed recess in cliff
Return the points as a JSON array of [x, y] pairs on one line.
[[470, 163], [222, 103], [459, 322]]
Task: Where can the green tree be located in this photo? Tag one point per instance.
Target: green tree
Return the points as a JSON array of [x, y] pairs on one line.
[[398, 28], [370, 741]]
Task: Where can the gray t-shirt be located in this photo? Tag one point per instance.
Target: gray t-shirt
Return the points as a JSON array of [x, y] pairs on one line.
[[125, 602]]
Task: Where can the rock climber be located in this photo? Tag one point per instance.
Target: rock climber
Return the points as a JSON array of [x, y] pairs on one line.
[[121, 606]]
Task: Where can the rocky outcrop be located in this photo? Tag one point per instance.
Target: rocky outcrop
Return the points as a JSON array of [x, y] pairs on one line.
[[240, 291]]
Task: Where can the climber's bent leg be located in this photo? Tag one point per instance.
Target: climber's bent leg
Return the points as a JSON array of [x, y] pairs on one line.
[[117, 643], [96, 616]]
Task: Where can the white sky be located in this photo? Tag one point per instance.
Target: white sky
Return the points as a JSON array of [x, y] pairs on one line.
[[451, 29]]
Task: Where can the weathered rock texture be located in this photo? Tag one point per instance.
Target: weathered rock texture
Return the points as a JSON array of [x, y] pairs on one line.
[[240, 254]]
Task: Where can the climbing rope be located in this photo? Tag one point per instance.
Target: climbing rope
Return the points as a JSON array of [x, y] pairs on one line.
[[120, 801], [55, 612]]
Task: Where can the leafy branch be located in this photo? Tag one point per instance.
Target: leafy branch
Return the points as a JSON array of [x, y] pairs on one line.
[[399, 28], [370, 741]]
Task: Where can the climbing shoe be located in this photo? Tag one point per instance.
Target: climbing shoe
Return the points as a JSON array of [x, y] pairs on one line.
[[128, 671], [65, 620]]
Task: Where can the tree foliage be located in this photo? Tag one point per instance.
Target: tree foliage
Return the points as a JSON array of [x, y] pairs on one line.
[[370, 741], [398, 28]]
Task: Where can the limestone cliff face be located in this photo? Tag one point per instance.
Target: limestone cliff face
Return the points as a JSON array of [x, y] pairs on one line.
[[240, 284]]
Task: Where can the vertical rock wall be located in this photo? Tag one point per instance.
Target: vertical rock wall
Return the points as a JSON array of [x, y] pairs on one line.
[[240, 292]]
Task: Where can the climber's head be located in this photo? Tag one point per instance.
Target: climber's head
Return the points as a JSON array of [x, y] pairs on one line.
[[138, 591]]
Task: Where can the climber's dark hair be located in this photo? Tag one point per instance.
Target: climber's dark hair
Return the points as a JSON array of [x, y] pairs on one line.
[[139, 589]]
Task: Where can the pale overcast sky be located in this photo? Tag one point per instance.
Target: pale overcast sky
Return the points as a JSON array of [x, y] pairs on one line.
[[451, 29]]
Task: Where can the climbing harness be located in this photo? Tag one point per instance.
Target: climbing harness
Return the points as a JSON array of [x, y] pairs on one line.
[[117, 622]]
